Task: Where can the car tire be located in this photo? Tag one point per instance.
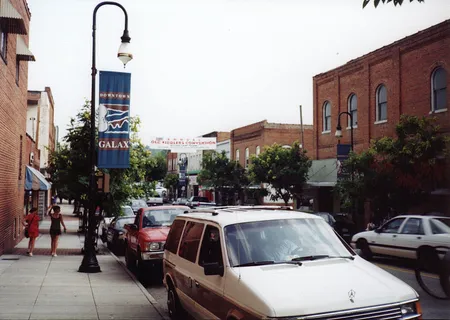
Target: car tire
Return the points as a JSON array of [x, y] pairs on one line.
[[174, 307], [129, 258], [365, 249]]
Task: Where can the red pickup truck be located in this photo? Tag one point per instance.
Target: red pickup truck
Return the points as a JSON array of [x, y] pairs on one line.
[[146, 237]]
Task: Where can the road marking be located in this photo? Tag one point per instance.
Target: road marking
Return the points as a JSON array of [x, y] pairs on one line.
[[424, 274]]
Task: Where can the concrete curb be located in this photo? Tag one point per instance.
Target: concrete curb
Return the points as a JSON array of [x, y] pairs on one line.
[[142, 288]]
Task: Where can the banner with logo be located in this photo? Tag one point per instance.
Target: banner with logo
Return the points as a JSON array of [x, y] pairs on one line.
[[114, 120], [183, 144], [343, 150]]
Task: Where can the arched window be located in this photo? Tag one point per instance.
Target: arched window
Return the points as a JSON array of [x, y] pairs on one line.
[[247, 156], [258, 150], [381, 103], [353, 110], [326, 116], [237, 155], [438, 89]]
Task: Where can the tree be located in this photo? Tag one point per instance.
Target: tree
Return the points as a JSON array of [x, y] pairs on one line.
[[396, 2], [224, 175], [398, 173], [171, 183], [284, 169]]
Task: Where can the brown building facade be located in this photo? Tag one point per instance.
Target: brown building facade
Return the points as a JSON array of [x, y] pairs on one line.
[[410, 76], [252, 139], [14, 54]]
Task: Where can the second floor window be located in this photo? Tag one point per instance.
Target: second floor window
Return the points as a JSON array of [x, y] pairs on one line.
[[258, 150], [439, 89], [247, 156], [381, 103], [326, 116], [353, 110], [237, 155], [3, 43]]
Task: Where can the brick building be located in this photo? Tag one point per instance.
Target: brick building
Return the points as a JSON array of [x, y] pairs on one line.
[[409, 76], [14, 54], [172, 162], [251, 139]]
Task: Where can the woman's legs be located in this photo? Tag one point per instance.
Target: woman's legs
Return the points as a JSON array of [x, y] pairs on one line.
[[31, 245], [52, 243], [55, 245]]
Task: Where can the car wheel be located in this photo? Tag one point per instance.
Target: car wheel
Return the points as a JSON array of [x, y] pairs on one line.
[[365, 250], [129, 258], [174, 307]]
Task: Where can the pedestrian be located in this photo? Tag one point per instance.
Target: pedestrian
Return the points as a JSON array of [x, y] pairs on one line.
[[55, 227], [31, 223]]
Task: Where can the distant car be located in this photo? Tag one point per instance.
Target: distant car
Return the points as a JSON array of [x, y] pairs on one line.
[[116, 233], [405, 236], [197, 201], [180, 201], [136, 204]]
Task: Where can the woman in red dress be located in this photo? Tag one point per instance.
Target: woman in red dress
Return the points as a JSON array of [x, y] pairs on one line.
[[32, 222]]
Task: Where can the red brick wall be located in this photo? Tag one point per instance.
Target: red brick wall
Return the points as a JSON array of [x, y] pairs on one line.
[[172, 166], [404, 67], [264, 134], [32, 147], [13, 107]]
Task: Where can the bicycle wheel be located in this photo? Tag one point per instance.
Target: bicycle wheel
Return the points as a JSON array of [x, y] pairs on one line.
[[428, 262]]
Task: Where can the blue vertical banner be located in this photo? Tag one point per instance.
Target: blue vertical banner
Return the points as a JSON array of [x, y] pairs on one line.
[[343, 150], [114, 120]]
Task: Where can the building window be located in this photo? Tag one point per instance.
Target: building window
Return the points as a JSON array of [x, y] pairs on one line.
[[237, 155], [17, 71], [20, 157], [381, 103], [258, 150], [247, 156], [439, 89], [353, 110], [327, 116], [3, 43]]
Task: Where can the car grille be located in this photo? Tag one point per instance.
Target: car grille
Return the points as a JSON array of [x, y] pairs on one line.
[[389, 313]]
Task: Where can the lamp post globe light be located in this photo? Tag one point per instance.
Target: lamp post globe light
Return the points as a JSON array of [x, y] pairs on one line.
[[90, 262]]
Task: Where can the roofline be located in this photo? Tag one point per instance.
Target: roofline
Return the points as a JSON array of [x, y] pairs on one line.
[[438, 28]]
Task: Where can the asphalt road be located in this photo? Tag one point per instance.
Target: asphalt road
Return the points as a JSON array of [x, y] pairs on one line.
[[431, 307]]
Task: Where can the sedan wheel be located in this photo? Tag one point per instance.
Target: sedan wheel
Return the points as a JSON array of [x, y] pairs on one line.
[[364, 246]]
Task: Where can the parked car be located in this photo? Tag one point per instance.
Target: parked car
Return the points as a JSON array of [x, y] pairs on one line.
[[180, 201], [106, 222], [328, 217], [344, 226], [137, 204], [126, 211], [116, 233], [146, 236], [196, 201], [155, 201], [405, 236], [243, 263]]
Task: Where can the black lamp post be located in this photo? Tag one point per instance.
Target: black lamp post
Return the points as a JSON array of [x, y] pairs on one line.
[[183, 162], [338, 135], [90, 262]]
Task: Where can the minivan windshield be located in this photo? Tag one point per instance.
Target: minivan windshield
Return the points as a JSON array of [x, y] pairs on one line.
[[281, 241], [160, 218]]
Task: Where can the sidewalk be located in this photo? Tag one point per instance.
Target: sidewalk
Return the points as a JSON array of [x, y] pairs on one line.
[[45, 287]]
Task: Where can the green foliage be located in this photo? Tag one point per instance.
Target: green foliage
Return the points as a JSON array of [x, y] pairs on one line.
[[284, 169], [224, 175], [396, 2], [397, 173], [171, 183]]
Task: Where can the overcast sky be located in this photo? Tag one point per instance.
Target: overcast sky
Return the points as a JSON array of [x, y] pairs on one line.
[[207, 65]]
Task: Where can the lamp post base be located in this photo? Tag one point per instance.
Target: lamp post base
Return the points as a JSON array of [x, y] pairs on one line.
[[89, 263]]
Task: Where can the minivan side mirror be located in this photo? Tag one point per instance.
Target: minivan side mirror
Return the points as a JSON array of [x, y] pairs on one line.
[[213, 269]]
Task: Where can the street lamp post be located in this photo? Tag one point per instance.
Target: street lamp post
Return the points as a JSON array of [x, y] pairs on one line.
[[182, 162], [338, 135], [90, 262]]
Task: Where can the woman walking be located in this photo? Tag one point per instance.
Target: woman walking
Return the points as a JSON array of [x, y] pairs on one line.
[[31, 223], [55, 227]]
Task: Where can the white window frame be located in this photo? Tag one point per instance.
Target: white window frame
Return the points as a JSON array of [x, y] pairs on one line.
[[258, 150], [237, 155], [352, 112], [377, 107], [325, 117], [3, 44], [433, 96]]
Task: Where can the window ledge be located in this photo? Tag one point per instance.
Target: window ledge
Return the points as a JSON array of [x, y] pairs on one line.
[[326, 132], [438, 111], [380, 121], [354, 127]]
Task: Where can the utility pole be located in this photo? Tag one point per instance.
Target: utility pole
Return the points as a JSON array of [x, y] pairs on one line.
[[301, 127]]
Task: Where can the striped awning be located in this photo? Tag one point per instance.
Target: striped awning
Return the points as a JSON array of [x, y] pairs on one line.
[[10, 19], [34, 180], [22, 51]]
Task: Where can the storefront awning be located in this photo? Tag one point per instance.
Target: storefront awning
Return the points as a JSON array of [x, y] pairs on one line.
[[34, 180], [22, 51], [323, 173], [10, 19]]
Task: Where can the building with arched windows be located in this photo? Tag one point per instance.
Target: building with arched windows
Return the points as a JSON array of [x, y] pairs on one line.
[[410, 76]]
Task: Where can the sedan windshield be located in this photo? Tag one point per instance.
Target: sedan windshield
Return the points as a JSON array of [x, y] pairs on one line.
[[281, 240], [159, 218], [123, 221]]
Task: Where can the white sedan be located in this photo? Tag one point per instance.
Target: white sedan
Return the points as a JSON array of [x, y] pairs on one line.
[[405, 236]]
